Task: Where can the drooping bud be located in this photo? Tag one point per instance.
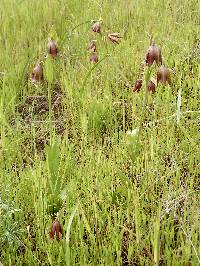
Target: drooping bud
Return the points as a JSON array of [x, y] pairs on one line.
[[151, 86], [96, 27], [52, 48], [93, 58], [92, 46], [153, 54], [56, 230], [114, 37], [138, 85], [163, 76], [37, 74]]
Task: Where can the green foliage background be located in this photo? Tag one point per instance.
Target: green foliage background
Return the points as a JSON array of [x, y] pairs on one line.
[[121, 198]]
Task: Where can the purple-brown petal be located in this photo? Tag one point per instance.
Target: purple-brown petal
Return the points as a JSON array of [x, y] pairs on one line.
[[153, 54], [37, 74], [150, 57], [114, 37], [96, 27], [52, 231], [92, 46], [151, 86], [93, 58], [163, 76], [59, 231], [56, 230], [138, 85], [52, 48]]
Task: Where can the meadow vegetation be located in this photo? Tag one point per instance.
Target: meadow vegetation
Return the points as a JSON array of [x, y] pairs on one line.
[[99, 162]]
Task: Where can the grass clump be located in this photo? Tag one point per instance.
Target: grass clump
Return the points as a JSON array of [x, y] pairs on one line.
[[99, 155]]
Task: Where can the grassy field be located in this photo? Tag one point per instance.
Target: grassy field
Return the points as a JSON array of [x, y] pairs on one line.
[[118, 169]]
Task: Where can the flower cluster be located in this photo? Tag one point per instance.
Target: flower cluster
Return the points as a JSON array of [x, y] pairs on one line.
[[92, 48], [37, 73], [154, 57], [52, 49]]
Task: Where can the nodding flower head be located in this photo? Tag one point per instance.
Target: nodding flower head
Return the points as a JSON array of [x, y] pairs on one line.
[[163, 76], [93, 58], [96, 27], [37, 74], [138, 85], [151, 86], [92, 46], [114, 37], [56, 230], [153, 54], [52, 48]]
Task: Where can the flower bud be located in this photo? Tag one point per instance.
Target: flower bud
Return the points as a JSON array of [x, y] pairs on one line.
[[93, 58], [153, 54], [96, 27], [37, 74], [151, 86], [138, 85], [56, 230], [92, 46], [52, 48], [163, 75], [114, 37]]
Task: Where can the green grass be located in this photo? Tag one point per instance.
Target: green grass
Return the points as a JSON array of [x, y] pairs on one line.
[[122, 199]]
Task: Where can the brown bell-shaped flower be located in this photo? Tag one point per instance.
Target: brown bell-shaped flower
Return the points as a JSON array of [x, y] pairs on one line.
[[93, 58], [138, 85], [37, 74], [153, 54], [56, 230], [151, 86], [114, 37], [92, 46], [52, 48], [163, 76], [96, 27]]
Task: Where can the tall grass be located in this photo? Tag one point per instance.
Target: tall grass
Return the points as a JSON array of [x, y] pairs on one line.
[[118, 169]]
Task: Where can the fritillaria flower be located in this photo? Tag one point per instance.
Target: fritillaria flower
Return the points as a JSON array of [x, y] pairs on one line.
[[52, 48], [163, 75], [93, 58], [151, 86], [37, 74], [56, 230], [153, 54], [96, 27], [92, 46], [138, 85], [114, 37]]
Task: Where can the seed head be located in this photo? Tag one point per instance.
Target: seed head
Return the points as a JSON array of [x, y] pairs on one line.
[[151, 86], [37, 74], [163, 75], [138, 85], [96, 27], [56, 230], [92, 46], [93, 58], [153, 54], [52, 48], [114, 37]]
